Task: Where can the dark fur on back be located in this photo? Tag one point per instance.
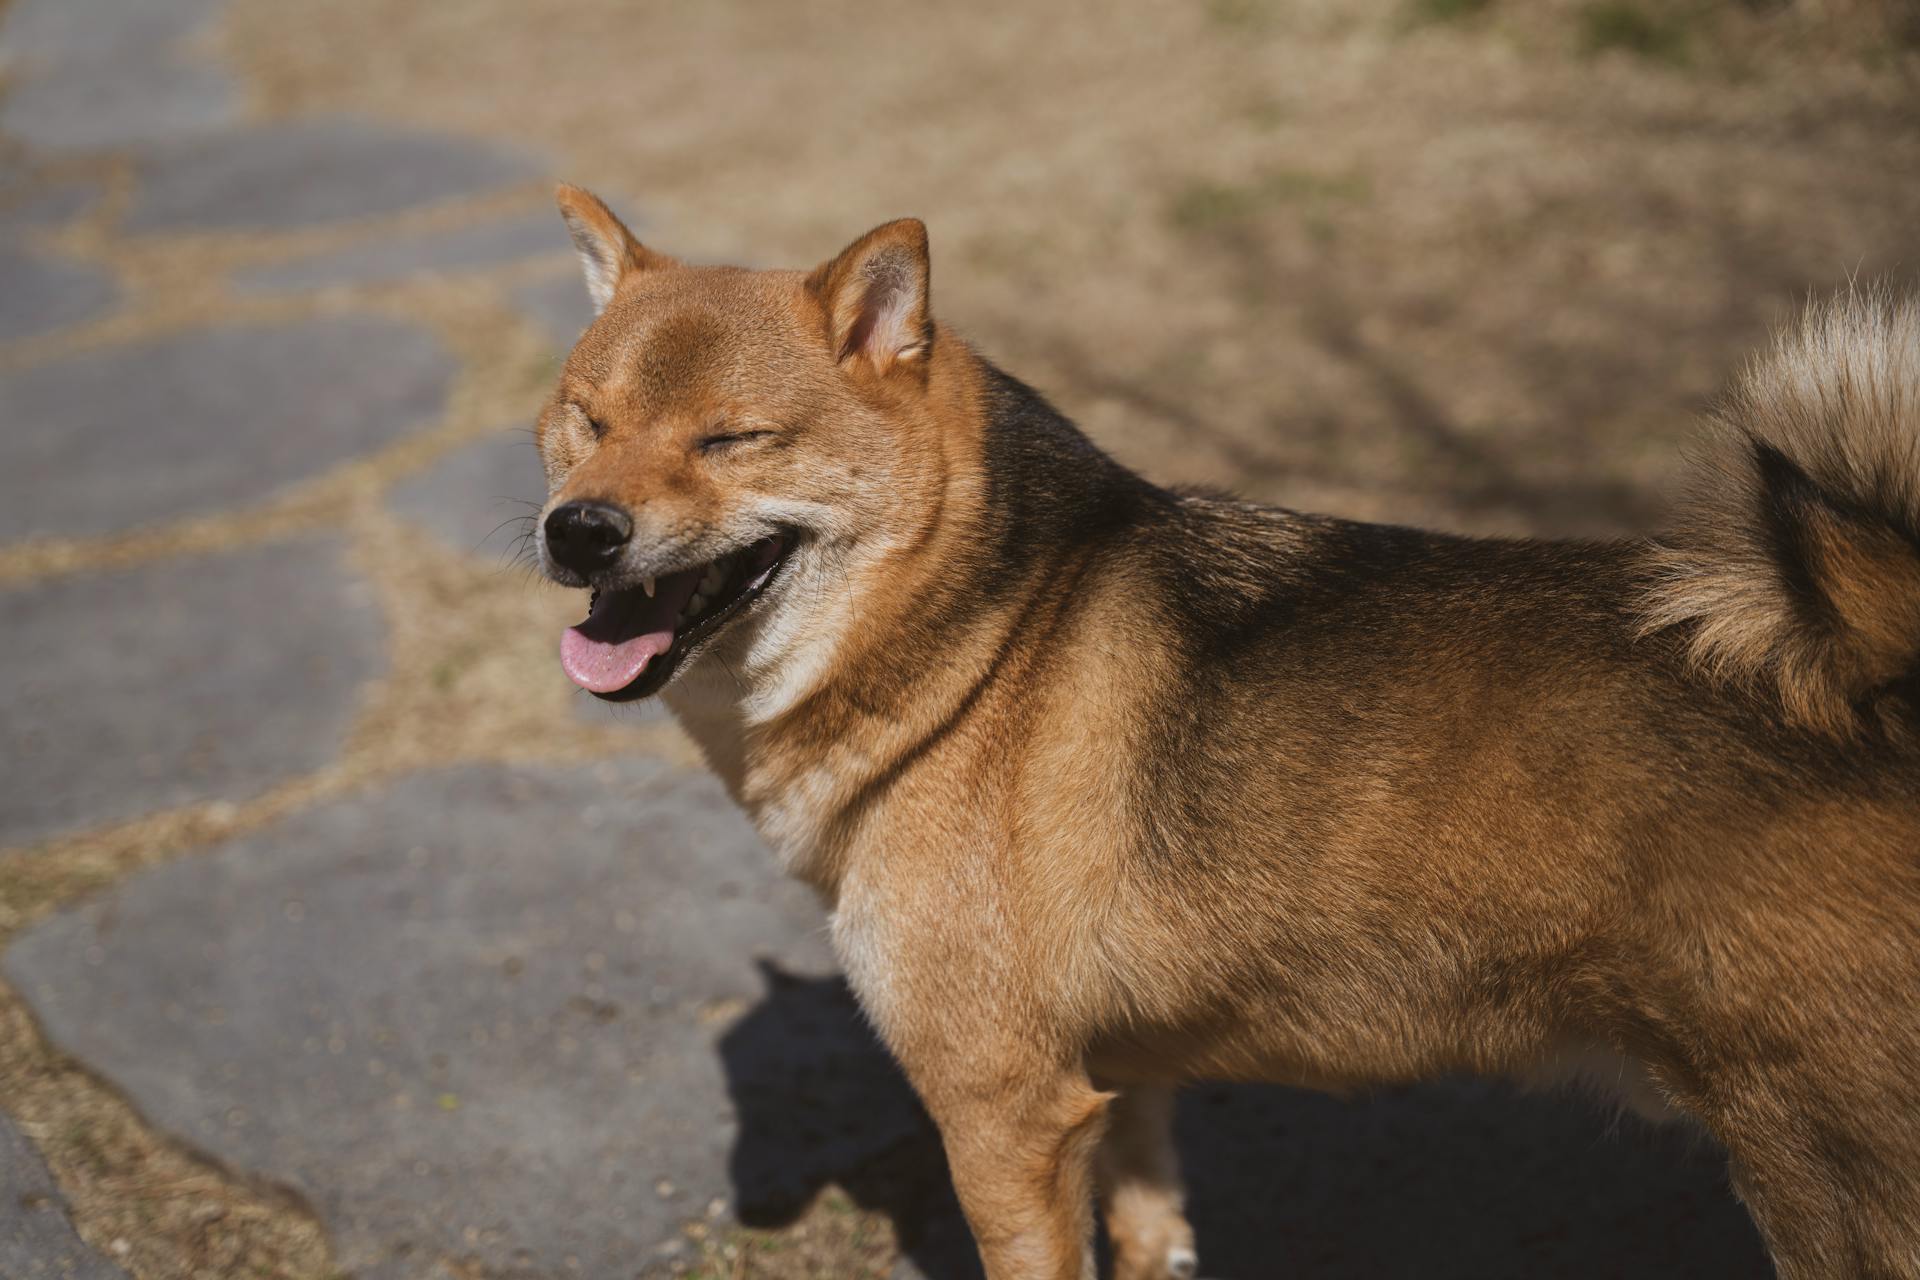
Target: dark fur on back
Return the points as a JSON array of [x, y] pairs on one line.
[[1793, 570], [1049, 488]]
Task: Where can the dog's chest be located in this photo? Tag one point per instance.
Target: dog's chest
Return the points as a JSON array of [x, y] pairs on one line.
[[862, 940], [795, 815], [790, 796]]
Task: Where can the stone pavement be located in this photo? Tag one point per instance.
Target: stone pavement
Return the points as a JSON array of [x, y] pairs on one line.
[[508, 983], [36, 1239], [311, 856]]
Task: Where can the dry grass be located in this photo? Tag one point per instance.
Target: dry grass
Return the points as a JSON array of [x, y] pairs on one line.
[[833, 1240], [137, 1196]]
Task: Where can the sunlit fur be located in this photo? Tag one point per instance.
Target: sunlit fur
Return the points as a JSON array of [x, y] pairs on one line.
[[1794, 563], [1110, 787]]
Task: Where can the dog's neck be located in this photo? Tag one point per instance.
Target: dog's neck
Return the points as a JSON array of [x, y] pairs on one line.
[[894, 644]]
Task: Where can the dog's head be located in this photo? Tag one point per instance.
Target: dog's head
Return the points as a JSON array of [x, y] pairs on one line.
[[725, 448]]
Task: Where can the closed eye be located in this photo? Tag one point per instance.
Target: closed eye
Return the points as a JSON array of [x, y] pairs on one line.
[[594, 424], [727, 439]]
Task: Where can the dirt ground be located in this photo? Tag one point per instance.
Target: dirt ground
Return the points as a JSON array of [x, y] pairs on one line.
[[1473, 263], [1469, 262]]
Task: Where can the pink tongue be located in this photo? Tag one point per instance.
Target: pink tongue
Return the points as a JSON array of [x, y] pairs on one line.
[[625, 631]]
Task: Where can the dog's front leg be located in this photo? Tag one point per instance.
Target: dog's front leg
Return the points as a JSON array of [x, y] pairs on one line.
[[1140, 1191], [1020, 1141]]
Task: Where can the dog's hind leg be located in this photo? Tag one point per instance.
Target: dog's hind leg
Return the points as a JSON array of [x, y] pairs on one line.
[[1141, 1197], [1825, 1221], [1828, 1163]]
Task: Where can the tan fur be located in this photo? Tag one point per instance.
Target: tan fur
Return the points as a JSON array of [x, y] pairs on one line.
[[1837, 397], [1110, 788]]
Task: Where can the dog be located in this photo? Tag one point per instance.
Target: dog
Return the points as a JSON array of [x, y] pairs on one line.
[[1109, 787]]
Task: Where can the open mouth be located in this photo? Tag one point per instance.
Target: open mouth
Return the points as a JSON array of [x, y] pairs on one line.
[[633, 638]]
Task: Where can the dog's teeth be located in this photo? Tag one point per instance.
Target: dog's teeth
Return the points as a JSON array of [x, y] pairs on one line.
[[646, 585], [714, 577]]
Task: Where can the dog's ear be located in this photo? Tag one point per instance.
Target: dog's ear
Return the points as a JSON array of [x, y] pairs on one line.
[[608, 251], [875, 296]]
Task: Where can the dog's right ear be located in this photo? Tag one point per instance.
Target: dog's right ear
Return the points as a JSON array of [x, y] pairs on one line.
[[608, 251], [875, 296]]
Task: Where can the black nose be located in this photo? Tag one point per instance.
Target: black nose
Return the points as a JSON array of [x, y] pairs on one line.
[[587, 536]]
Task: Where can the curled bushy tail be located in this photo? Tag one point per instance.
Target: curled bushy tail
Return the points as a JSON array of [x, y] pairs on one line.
[[1796, 561]]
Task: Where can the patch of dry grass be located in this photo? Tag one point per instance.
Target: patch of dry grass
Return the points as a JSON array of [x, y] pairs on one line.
[[1463, 272], [138, 1197], [834, 1239]]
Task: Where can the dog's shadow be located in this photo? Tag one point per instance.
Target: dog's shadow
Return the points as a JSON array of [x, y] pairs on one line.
[[1463, 1179]]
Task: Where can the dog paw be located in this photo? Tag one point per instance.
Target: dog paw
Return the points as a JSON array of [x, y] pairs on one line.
[[1158, 1260]]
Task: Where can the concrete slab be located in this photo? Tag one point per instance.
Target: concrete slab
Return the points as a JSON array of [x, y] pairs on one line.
[[473, 1013], [25, 203], [213, 677], [480, 245], [104, 73], [471, 501], [474, 498], [50, 30], [176, 426], [94, 104], [306, 172], [559, 307], [40, 292], [37, 1240]]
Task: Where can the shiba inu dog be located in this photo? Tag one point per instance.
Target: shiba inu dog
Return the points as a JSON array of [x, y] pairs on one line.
[[1110, 787]]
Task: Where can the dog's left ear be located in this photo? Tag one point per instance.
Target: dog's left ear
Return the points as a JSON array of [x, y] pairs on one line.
[[875, 296], [608, 251]]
